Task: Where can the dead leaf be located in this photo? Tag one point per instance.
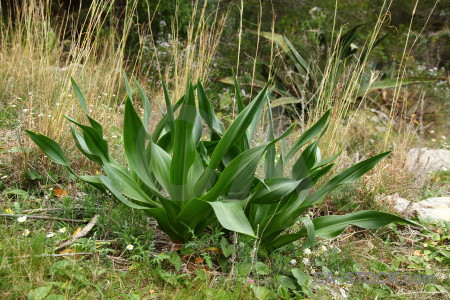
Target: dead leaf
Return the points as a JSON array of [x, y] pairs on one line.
[[214, 249], [67, 251], [76, 231], [199, 260], [418, 253], [60, 193]]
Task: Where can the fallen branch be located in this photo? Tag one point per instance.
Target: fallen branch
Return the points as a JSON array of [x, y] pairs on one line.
[[48, 209], [53, 255], [43, 218], [83, 232]]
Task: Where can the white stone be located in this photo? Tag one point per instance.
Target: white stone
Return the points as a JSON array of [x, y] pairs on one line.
[[434, 208], [423, 160], [437, 208]]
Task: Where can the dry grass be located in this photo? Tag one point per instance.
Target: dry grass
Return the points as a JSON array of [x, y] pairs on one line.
[[36, 65]]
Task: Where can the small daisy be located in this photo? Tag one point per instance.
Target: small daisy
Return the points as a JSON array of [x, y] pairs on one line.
[[443, 137], [307, 251], [50, 235], [324, 248], [293, 262], [431, 131], [425, 245], [130, 247], [433, 140], [62, 230], [25, 232], [22, 219], [305, 261]]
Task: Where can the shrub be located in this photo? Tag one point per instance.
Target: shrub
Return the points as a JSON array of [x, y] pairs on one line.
[[188, 182]]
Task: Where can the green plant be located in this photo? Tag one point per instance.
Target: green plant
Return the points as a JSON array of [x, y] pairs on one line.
[[309, 79], [188, 183]]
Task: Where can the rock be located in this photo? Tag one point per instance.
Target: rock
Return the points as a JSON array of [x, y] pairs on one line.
[[425, 160], [398, 204], [434, 208], [437, 208]]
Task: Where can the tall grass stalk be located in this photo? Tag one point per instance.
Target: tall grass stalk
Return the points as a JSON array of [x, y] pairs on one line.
[[37, 62]]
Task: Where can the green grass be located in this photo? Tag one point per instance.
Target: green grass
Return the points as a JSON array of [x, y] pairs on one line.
[[152, 271]]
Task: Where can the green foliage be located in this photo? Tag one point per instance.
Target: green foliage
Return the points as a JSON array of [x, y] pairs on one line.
[[188, 182], [306, 79]]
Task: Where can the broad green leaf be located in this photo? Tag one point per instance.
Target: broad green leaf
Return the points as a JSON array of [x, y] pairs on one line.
[[145, 104], [112, 188], [309, 157], [239, 173], [127, 86], [308, 135], [83, 147], [237, 89], [310, 229], [328, 227], [170, 110], [350, 175], [393, 83], [134, 137], [234, 132], [285, 101], [123, 182], [275, 189], [49, 147], [207, 112], [160, 165], [95, 142], [83, 104], [184, 148], [269, 162], [300, 61], [231, 216]]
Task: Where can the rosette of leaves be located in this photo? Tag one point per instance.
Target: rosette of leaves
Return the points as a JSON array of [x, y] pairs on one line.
[[188, 179]]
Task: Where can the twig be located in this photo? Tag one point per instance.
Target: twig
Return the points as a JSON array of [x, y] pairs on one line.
[[414, 293], [83, 232], [43, 218], [53, 255], [48, 209]]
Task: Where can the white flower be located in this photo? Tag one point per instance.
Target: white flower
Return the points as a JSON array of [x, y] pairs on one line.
[[307, 251], [130, 247], [25, 109], [305, 261], [13, 105], [51, 234], [324, 248], [293, 262], [425, 245], [433, 140], [25, 232], [443, 137], [62, 230], [4, 176], [22, 219], [431, 131]]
